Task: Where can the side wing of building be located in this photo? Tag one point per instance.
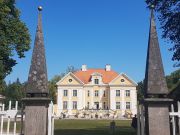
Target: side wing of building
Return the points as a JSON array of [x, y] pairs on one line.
[[70, 94], [123, 95]]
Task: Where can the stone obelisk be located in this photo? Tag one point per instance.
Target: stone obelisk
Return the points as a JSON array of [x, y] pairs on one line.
[[37, 101], [156, 103]]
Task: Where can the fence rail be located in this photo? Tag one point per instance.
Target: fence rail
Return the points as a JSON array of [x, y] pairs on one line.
[[175, 119], [51, 119], [9, 118]]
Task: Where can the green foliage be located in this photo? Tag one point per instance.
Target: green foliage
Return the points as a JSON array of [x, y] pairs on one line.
[[140, 90], [14, 37], [173, 79], [14, 92], [2, 87], [169, 17], [52, 87]]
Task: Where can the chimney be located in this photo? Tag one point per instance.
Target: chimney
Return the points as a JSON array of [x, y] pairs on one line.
[[108, 67], [84, 67]]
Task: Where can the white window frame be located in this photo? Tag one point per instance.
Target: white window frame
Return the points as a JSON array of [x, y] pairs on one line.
[[96, 93], [74, 105], [65, 93], [128, 105], [118, 93], [118, 105], [96, 81], [65, 105], [88, 93], [128, 93], [74, 93], [88, 105]]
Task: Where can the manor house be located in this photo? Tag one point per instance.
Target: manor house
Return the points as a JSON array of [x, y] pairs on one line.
[[96, 89]]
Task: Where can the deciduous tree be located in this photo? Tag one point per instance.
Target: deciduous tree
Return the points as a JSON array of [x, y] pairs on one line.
[[169, 17], [14, 37]]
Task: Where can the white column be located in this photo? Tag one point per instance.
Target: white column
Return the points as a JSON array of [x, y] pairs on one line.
[[70, 101], [108, 94], [123, 102], [100, 97], [84, 97], [60, 102], [80, 99], [112, 100], [92, 98], [133, 101]]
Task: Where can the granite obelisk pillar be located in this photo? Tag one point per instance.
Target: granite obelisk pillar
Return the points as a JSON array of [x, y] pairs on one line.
[[37, 101], [156, 103]]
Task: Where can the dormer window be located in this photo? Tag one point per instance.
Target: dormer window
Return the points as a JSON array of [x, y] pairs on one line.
[[96, 81]]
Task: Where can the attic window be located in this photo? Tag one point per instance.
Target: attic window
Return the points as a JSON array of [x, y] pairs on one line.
[[122, 80], [70, 80], [96, 81]]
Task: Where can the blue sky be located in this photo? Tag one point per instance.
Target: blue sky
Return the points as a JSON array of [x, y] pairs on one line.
[[92, 32]]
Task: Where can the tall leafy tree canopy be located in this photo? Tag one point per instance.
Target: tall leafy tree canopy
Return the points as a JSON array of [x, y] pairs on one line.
[[14, 37], [173, 79], [169, 17], [13, 92]]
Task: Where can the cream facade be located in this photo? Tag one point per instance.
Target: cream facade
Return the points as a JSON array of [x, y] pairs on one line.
[[96, 90]]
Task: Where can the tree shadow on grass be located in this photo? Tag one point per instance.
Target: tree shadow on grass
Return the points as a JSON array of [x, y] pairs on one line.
[[96, 131]]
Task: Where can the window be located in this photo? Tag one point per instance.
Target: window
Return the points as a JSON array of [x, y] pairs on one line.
[[74, 104], [70, 80], [87, 105], [127, 93], [117, 93], [65, 93], [118, 105], [128, 105], [96, 104], [74, 93], [104, 93], [96, 81], [65, 105], [96, 93], [88, 94], [122, 80], [104, 105]]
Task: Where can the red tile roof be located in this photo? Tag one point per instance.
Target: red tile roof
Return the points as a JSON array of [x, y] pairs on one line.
[[85, 76]]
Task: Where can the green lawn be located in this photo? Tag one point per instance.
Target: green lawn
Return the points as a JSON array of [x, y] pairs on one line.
[[92, 127]]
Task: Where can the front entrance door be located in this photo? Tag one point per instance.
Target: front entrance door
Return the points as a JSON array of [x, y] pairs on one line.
[[96, 104]]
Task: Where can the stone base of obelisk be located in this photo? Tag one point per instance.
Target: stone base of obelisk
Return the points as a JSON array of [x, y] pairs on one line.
[[36, 116], [157, 116]]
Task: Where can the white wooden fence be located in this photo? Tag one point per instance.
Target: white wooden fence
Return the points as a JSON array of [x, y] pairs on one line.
[[9, 118], [51, 119], [174, 120]]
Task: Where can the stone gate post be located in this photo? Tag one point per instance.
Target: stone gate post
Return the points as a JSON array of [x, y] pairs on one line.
[[37, 100], [156, 103]]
